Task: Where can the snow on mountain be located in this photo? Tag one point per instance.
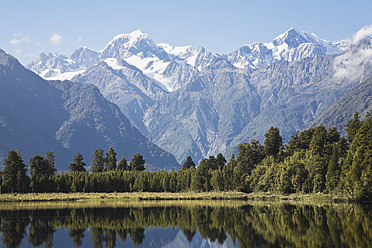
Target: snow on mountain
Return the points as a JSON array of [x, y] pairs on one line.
[[51, 65], [139, 50], [65, 117], [175, 66], [172, 67], [198, 57], [85, 56], [125, 85], [292, 45], [59, 67]]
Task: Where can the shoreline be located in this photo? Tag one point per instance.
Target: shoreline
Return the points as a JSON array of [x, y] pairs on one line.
[[157, 196]]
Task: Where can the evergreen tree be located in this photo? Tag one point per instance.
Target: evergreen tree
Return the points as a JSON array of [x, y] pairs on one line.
[[273, 142], [319, 140], [50, 159], [98, 161], [38, 166], [294, 144], [333, 135], [14, 174], [40, 171], [221, 161], [229, 172], [352, 127], [197, 181], [217, 180], [111, 160], [123, 164], [188, 163], [212, 163], [137, 163], [333, 172], [249, 156], [78, 164]]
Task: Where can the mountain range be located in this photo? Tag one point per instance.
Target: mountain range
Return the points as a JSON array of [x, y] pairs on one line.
[[190, 101], [65, 117]]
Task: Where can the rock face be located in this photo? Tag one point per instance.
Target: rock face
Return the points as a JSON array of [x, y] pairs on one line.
[[225, 106], [193, 102], [65, 117], [358, 99], [124, 85]]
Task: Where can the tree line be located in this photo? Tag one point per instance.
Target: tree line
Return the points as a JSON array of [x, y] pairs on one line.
[[313, 160]]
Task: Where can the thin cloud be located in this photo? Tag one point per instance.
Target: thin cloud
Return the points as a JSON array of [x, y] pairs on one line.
[[79, 39], [55, 39], [362, 33], [348, 65], [17, 51], [19, 38], [15, 41]]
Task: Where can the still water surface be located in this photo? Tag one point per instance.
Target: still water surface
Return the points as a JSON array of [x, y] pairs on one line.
[[185, 224]]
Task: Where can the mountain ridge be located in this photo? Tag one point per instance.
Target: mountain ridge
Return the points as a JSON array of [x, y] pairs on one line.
[[210, 104], [65, 117]]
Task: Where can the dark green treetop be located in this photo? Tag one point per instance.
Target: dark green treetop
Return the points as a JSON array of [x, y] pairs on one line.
[[98, 161], [137, 163], [78, 164]]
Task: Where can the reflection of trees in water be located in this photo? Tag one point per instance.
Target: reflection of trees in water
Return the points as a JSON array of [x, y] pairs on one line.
[[77, 235], [252, 226], [41, 232], [13, 228], [137, 235]]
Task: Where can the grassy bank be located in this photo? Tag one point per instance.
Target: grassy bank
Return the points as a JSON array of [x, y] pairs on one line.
[[151, 196], [133, 196]]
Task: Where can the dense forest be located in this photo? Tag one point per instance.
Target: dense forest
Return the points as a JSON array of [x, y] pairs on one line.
[[313, 160]]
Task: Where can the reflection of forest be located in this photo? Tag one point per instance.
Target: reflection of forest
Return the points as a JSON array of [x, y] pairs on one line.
[[279, 225]]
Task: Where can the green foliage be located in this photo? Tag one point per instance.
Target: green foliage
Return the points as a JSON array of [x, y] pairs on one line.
[[273, 142], [188, 163], [38, 166], [217, 180], [123, 164], [111, 160], [98, 161], [249, 156], [78, 164], [334, 170], [352, 127], [14, 174], [137, 163], [221, 161], [316, 160]]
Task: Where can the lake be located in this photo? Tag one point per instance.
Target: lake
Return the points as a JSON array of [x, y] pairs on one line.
[[184, 224]]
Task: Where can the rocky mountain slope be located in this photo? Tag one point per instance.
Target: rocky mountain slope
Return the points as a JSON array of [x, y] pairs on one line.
[[193, 102], [358, 99], [65, 117]]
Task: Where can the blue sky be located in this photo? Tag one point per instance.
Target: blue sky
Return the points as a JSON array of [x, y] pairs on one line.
[[31, 27]]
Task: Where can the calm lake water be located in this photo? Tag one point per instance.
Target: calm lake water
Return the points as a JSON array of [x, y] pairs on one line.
[[184, 224]]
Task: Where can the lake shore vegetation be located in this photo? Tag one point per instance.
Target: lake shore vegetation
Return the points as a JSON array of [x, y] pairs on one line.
[[315, 161]]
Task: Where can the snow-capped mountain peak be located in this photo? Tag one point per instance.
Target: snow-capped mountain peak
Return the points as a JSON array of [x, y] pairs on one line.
[[293, 45], [293, 38], [129, 39], [136, 43]]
